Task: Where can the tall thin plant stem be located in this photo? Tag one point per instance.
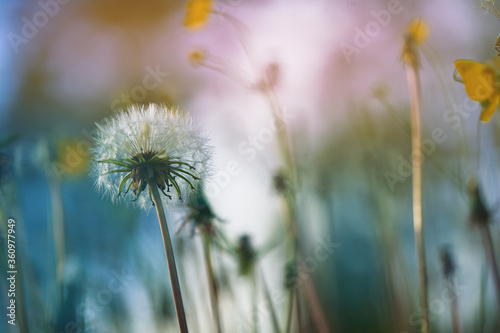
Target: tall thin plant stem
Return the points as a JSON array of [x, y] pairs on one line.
[[255, 310], [455, 313], [267, 294], [212, 283], [290, 208], [491, 258], [298, 308], [59, 242], [418, 226], [288, 324], [285, 152], [169, 251], [58, 225], [482, 299]]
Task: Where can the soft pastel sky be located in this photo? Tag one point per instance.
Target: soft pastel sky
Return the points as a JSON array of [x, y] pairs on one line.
[[67, 76]]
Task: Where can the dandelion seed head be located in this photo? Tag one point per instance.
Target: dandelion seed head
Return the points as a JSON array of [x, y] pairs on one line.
[[492, 7], [152, 144]]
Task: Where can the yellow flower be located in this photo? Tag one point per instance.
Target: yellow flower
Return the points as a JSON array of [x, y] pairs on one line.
[[481, 84], [197, 12], [416, 34], [418, 30]]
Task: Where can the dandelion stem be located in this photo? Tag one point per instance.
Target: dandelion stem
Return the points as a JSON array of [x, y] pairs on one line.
[[212, 283], [267, 294], [59, 241], [298, 309], [255, 312], [58, 225], [455, 313], [482, 298], [418, 227], [491, 258], [284, 146], [289, 312], [290, 207], [449, 269], [169, 251]]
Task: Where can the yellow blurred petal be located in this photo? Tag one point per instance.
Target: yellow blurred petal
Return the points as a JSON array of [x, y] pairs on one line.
[[418, 30], [197, 13], [490, 108], [479, 79]]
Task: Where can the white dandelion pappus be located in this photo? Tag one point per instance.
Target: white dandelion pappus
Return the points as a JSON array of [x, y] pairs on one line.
[[152, 143]]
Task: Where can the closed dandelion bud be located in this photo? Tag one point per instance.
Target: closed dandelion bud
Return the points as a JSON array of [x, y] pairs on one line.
[[201, 214], [273, 74], [447, 261], [270, 78], [479, 214], [149, 145], [280, 182], [246, 255], [291, 275]]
